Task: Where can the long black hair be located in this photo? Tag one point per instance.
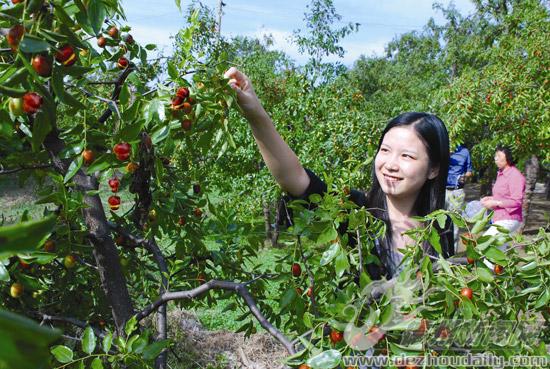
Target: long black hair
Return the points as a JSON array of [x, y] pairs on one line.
[[432, 132], [507, 153]]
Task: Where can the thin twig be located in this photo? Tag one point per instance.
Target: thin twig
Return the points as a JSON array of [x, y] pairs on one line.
[[101, 82], [84, 262], [359, 249], [79, 323], [311, 278]]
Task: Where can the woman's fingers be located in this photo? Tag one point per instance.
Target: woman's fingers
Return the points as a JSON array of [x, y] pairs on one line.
[[236, 78], [234, 73], [234, 84]]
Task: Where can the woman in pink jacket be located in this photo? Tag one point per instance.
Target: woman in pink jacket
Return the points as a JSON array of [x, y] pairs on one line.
[[508, 192]]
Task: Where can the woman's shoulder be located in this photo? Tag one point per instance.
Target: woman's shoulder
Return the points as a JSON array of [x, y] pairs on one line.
[[358, 197], [514, 173], [318, 186]]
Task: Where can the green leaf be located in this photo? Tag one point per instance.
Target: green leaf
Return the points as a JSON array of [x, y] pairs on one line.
[[485, 241], [154, 111], [73, 168], [330, 254], [88, 340], [457, 220], [160, 134], [288, 297], [70, 100], [480, 225], [25, 236], [308, 319], [130, 132], [130, 326], [13, 92], [357, 219], [441, 219], [434, 241], [495, 255], [96, 15], [445, 265], [57, 83], [24, 344], [543, 299], [73, 70], [342, 263], [40, 129], [484, 275], [60, 89], [198, 110], [466, 308], [139, 344], [107, 342], [52, 36], [132, 112], [327, 235], [529, 266], [62, 15], [63, 354], [154, 349], [96, 363], [325, 360], [42, 257], [124, 96], [172, 71], [31, 44]]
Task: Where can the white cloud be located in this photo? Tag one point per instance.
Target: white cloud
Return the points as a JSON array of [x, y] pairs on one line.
[[282, 41]]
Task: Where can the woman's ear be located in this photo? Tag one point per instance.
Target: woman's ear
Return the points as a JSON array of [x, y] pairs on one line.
[[434, 172]]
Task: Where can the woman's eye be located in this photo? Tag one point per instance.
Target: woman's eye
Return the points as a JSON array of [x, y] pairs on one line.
[[383, 149]]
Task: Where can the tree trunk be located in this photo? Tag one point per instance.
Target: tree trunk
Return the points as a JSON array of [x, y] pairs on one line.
[[531, 175], [486, 178], [105, 253], [267, 220], [276, 225]]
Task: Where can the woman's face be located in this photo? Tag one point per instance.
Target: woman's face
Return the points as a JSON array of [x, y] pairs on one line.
[[500, 160], [402, 163]]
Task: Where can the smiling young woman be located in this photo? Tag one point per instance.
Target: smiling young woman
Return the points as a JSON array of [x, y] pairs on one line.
[[409, 173]]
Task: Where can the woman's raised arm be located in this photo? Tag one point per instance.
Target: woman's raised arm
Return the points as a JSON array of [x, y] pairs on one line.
[[281, 161]]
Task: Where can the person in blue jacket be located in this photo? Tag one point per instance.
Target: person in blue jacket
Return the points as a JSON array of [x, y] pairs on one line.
[[460, 169]]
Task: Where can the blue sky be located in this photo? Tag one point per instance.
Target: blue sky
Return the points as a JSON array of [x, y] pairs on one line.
[[381, 20]]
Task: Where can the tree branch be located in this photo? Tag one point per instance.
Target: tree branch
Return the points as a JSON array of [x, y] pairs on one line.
[[30, 167], [239, 288], [118, 87]]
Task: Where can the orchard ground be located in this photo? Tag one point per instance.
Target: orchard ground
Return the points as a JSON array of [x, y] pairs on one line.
[[205, 337]]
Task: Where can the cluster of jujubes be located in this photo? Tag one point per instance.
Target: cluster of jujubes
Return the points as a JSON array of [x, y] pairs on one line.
[[183, 102]]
